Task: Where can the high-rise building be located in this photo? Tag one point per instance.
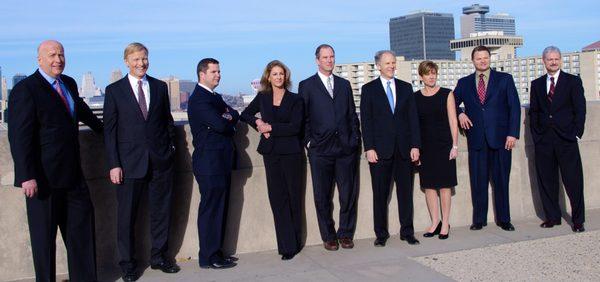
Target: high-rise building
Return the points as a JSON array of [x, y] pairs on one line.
[[88, 86], [422, 35], [474, 19], [16, 78], [115, 75], [174, 95]]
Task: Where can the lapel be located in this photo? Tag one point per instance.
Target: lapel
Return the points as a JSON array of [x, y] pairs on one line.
[[559, 88], [337, 82], [154, 95], [322, 86], [267, 106], [473, 86], [398, 97], [54, 96], [543, 91], [491, 89], [129, 96]]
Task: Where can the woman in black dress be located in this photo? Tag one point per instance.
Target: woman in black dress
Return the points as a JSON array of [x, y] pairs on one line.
[[439, 147], [280, 125]]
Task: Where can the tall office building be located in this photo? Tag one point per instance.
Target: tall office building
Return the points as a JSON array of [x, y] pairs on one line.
[[422, 35], [174, 96], [115, 75], [16, 78], [88, 86], [474, 19]]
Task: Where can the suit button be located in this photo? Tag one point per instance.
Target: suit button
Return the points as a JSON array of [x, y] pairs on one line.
[[336, 133], [550, 116]]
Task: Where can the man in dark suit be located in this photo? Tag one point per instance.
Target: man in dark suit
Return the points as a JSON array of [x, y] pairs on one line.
[[332, 137], [212, 123], [491, 119], [44, 110], [557, 111], [138, 135], [391, 136]]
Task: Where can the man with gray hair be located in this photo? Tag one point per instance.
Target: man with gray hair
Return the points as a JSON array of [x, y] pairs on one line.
[[391, 136], [557, 111], [44, 111]]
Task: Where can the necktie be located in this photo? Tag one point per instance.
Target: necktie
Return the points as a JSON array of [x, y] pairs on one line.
[[58, 89], [329, 87], [142, 100], [389, 93], [481, 89], [551, 91]]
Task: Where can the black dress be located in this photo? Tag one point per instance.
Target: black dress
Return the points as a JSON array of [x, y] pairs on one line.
[[436, 170]]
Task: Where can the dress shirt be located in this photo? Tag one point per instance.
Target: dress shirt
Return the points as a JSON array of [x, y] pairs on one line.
[[207, 89], [486, 78], [324, 80], [392, 85], [548, 82], [65, 91], [145, 86]]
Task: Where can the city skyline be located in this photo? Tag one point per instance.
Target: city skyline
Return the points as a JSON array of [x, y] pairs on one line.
[[245, 38]]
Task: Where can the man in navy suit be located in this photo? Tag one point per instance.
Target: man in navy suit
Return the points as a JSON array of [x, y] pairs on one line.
[[332, 137], [491, 119], [212, 123], [44, 111], [138, 137], [391, 136], [557, 111]]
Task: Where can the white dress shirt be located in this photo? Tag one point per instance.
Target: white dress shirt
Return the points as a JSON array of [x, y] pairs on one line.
[[205, 87], [548, 82], [392, 85], [145, 87], [324, 80]]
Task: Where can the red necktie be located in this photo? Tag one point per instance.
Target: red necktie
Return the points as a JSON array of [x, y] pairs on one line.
[[481, 89], [551, 91], [58, 89], [142, 100]]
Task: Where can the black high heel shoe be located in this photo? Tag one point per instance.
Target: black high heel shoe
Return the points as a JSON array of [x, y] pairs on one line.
[[435, 232], [444, 236]]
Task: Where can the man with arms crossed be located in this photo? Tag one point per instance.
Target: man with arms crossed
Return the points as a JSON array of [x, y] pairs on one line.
[[332, 138], [557, 111], [212, 122], [44, 111], [138, 136], [491, 119]]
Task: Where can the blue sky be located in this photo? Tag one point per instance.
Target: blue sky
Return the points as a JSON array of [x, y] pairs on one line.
[[246, 35]]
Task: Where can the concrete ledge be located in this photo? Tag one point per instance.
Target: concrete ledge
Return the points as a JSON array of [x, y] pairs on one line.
[[250, 226]]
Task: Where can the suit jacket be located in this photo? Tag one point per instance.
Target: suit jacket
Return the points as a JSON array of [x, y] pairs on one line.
[[132, 142], [497, 118], [285, 128], [383, 130], [212, 133], [331, 125], [43, 136], [565, 115]]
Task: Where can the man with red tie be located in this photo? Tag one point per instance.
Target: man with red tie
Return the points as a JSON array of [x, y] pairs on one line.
[[557, 111], [44, 111], [492, 121], [138, 136]]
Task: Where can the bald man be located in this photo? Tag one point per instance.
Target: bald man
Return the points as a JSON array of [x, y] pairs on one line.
[[43, 131]]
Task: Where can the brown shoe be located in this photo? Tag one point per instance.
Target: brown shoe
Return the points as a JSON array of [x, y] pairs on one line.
[[347, 243], [331, 245]]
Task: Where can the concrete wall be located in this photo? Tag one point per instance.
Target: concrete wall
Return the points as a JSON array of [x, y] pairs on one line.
[[250, 225]]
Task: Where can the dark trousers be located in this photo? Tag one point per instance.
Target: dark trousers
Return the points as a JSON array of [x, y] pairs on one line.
[[284, 180], [159, 184], [70, 210], [553, 153], [325, 171], [212, 216], [382, 173], [483, 164]]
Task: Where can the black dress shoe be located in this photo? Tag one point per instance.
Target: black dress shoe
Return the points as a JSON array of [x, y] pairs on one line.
[[410, 239], [476, 226], [578, 227], [549, 223], [166, 267], [287, 257], [506, 226], [380, 242], [219, 264], [435, 232], [230, 258], [444, 236], [130, 276]]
